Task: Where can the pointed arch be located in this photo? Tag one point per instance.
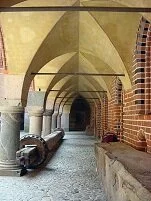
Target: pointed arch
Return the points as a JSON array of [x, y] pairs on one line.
[[141, 68]]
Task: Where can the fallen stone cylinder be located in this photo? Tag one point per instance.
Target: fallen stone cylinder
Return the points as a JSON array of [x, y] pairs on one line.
[[52, 139], [34, 149]]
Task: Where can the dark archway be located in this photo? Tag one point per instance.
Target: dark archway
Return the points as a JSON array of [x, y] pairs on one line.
[[79, 115]]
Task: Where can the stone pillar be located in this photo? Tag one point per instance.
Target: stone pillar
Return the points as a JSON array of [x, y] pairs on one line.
[[47, 118], [54, 121], [10, 140], [26, 121], [59, 120], [35, 125], [65, 121]]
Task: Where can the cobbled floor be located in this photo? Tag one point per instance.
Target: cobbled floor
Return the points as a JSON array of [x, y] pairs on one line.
[[70, 175]]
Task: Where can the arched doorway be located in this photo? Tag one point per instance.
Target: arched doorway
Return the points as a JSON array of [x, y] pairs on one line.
[[79, 115]]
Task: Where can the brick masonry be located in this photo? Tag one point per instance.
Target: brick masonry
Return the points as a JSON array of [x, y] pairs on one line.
[[141, 68], [98, 119], [133, 122], [130, 121], [128, 113], [115, 109]]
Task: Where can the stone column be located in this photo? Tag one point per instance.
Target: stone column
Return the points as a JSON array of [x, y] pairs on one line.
[[54, 121], [59, 120], [26, 121], [10, 140], [65, 121], [47, 118], [35, 125]]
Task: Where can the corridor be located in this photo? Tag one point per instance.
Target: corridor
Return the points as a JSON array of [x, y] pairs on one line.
[[69, 175]]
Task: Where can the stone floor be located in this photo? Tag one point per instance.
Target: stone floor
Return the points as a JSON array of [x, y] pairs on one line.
[[69, 175]]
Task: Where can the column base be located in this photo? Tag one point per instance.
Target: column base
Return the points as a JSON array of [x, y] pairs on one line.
[[9, 168], [13, 172]]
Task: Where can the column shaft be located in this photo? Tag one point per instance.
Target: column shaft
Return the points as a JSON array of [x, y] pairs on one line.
[[65, 121], [10, 140], [47, 117], [36, 118], [59, 121], [54, 120]]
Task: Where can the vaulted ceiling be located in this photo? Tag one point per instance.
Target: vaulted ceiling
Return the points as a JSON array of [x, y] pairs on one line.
[[89, 42]]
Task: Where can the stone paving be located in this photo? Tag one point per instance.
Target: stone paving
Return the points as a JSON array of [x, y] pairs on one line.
[[70, 175]]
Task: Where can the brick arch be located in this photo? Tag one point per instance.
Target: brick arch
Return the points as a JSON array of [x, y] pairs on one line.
[[3, 66], [141, 68], [148, 72]]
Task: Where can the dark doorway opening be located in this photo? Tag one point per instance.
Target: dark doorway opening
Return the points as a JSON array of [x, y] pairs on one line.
[[79, 115]]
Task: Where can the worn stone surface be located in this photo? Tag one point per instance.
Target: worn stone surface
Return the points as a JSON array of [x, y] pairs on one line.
[[70, 175], [124, 171]]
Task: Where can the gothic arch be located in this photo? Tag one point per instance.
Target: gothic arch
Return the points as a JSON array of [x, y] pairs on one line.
[[141, 68]]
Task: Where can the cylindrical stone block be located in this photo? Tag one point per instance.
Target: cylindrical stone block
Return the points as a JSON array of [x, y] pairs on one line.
[[59, 120], [54, 121], [35, 125], [65, 121], [9, 136], [47, 117]]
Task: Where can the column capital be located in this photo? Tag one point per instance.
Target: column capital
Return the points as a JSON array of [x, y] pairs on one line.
[[36, 112], [55, 113], [11, 109], [48, 112]]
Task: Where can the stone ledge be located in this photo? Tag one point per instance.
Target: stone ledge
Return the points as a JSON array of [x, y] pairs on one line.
[[124, 171]]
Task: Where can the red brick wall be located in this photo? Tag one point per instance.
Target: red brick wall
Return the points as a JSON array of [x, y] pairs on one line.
[[101, 117], [133, 122], [115, 110], [136, 109], [141, 68], [129, 112], [98, 120], [135, 114], [104, 114]]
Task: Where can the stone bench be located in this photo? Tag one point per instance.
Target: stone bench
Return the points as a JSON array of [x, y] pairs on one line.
[[124, 171]]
